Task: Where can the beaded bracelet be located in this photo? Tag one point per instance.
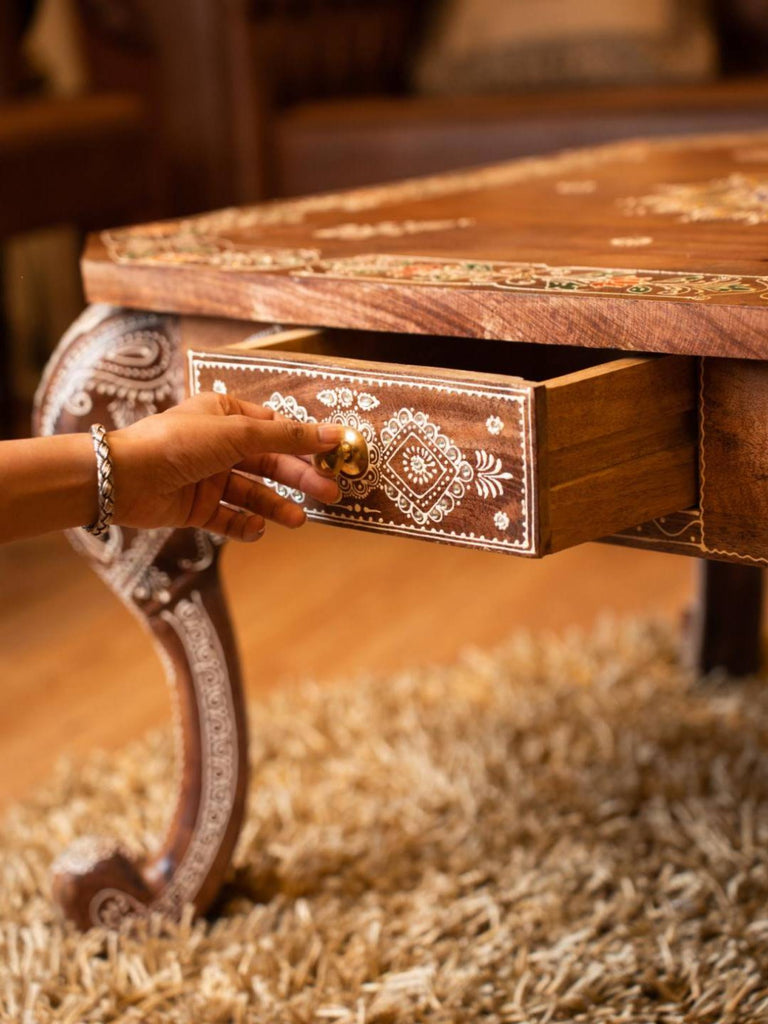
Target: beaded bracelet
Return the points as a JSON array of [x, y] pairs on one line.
[[105, 487]]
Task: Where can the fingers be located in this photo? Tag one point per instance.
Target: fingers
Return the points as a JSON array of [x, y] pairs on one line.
[[235, 519], [255, 416], [245, 505], [258, 498], [293, 471], [257, 436], [236, 523], [221, 405], [256, 429]]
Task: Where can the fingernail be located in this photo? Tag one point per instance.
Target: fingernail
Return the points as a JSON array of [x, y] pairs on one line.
[[300, 520], [330, 433]]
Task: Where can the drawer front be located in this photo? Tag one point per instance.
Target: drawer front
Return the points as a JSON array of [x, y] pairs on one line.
[[451, 460]]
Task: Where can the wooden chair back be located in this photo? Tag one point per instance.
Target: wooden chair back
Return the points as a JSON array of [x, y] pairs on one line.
[[15, 15]]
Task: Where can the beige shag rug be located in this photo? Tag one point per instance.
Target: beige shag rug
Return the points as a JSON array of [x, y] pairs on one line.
[[559, 831]]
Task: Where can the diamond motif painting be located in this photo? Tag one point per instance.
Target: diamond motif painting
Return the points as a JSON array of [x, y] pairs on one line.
[[423, 471], [418, 479]]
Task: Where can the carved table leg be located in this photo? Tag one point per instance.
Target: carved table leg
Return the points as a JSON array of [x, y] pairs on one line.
[[725, 627], [115, 366]]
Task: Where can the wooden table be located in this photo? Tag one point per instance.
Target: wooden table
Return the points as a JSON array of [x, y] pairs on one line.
[[533, 354]]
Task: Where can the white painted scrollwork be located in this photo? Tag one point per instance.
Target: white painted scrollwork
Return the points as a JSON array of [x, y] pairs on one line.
[[219, 749], [346, 398], [340, 402], [129, 357], [125, 365], [419, 467], [490, 475], [414, 463], [501, 521], [110, 907]]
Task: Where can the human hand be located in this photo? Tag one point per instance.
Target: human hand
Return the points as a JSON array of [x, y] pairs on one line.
[[175, 468]]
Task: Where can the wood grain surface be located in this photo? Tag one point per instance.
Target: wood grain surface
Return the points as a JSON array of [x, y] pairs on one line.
[[620, 447], [734, 460], [729, 522], [647, 246]]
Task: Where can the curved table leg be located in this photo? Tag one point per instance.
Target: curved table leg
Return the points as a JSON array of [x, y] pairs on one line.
[[115, 366]]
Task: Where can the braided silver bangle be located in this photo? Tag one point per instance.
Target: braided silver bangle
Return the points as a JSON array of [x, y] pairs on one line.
[[104, 471]]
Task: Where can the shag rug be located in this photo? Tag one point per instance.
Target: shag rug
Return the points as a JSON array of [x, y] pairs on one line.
[[563, 830]]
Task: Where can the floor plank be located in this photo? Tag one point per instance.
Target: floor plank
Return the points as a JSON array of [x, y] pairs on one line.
[[322, 602]]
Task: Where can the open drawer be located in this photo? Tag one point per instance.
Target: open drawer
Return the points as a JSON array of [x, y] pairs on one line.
[[527, 449]]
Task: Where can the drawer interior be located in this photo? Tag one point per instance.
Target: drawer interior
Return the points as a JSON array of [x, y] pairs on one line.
[[535, 363]]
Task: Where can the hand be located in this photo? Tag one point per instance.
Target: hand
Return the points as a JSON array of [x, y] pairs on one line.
[[175, 468]]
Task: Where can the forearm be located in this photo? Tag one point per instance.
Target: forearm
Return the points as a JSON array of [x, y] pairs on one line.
[[46, 483]]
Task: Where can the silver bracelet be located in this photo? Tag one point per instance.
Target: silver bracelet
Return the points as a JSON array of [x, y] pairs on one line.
[[104, 471]]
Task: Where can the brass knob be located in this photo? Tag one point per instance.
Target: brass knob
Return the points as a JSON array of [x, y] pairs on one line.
[[350, 458]]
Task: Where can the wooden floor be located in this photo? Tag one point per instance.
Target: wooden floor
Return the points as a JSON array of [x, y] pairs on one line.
[[81, 673]]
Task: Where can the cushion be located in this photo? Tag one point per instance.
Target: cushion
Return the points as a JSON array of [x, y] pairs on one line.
[[486, 46]]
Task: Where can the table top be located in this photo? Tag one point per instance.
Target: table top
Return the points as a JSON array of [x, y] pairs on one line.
[[642, 245]]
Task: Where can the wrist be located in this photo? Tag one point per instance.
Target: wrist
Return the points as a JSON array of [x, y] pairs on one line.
[[78, 483], [124, 461], [50, 483], [72, 481]]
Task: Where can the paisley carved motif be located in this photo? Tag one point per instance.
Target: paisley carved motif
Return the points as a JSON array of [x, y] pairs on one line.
[[115, 366]]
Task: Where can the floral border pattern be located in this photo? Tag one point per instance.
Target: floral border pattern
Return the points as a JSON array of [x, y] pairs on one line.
[[738, 197], [188, 250], [538, 277]]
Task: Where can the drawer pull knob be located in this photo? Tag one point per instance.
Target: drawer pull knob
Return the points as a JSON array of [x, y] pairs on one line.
[[350, 458]]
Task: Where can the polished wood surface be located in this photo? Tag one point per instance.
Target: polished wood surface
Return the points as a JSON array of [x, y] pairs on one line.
[[734, 459], [649, 245], [606, 444], [620, 446]]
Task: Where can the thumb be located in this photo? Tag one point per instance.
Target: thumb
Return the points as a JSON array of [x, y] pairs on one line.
[[284, 436]]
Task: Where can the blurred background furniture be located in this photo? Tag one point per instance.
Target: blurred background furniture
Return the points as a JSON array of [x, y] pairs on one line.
[[322, 134], [191, 104], [79, 160], [261, 98]]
